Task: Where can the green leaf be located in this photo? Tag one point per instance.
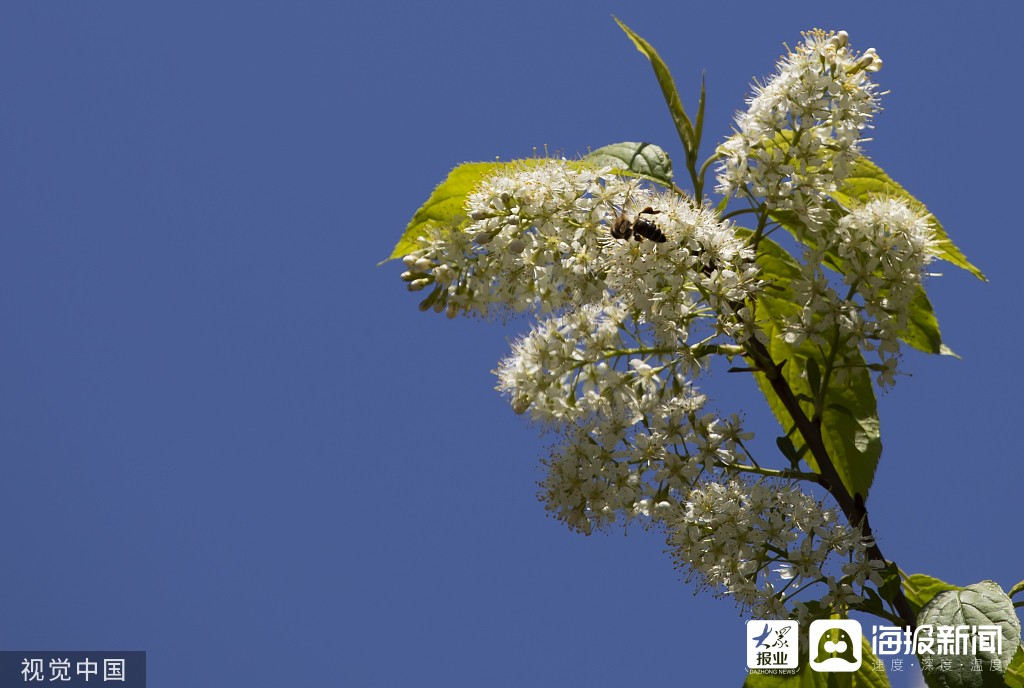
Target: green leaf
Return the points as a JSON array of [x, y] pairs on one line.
[[981, 604], [868, 676], [919, 589], [1014, 675], [644, 159], [922, 330], [850, 427], [668, 90], [699, 126], [871, 604], [785, 446], [813, 376], [890, 582], [853, 437], [446, 205], [866, 180]]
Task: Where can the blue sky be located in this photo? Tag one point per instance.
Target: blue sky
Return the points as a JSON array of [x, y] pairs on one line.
[[229, 439]]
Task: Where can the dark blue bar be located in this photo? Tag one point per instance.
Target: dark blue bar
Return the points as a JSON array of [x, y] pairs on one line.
[[72, 669]]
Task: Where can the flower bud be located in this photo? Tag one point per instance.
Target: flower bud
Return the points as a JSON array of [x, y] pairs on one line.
[[876, 61], [869, 62], [410, 276], [429, 301], [517, 245]]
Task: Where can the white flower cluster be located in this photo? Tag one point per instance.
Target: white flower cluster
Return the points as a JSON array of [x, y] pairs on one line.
[[884, 246], [634, 433], [626, 326], [539, 239], [801, 129], [635, 289], [762, 544], [533, 242], [793, 147]]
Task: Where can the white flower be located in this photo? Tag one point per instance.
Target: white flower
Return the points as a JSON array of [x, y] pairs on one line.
[[539, 239], [755, 541], [840, 595], [802, 127], [862, 570]]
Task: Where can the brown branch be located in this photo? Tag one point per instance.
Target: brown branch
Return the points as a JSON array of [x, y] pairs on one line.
[[852, 505]]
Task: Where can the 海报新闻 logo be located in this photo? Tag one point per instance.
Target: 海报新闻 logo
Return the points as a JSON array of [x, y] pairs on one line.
[[835, 645]]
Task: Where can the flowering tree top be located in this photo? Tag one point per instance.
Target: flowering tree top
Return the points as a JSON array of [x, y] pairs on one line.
[[808, 273]]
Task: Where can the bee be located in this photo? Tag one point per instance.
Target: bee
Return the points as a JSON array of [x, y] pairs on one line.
[[639, 228]]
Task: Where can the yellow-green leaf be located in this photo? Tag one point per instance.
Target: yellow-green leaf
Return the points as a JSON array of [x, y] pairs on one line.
[[1014, 676], [867, 180], [850, 428], [919, 589], [870, 674], [445, 206], [922, 331]]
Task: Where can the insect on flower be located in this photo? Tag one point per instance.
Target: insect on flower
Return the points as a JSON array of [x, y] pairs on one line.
[[639, 228]]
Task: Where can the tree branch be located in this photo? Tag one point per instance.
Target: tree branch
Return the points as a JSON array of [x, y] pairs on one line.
[[852, 505]]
